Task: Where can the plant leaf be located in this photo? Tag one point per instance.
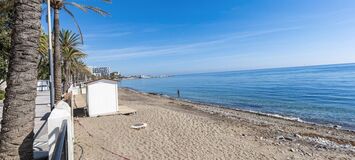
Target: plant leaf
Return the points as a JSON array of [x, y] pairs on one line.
[[76, 23], [97, 10]]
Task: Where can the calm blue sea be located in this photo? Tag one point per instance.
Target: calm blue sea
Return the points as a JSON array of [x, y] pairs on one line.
[[320, 94]]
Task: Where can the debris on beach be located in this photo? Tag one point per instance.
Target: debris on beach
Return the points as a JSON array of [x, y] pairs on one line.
[[336, 126], [139, 126], [285, 138], [325, 144], [292, 150], [298, 136]]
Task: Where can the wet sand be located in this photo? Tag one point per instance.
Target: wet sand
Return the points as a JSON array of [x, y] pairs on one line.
[[183, 130]]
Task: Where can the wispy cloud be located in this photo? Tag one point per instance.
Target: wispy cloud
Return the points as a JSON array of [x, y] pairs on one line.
[[119, 30], [150, 30], [181, 49], [107, 34]]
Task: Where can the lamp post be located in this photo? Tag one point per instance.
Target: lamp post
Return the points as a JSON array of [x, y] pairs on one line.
[[51, 70]]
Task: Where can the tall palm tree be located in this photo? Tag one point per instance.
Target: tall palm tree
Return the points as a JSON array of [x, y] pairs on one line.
[[72, 64], [57, 5], [18, 114], [72, 55]]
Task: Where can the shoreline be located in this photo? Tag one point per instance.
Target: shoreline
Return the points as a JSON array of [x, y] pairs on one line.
[[226, 113], [278, 116]]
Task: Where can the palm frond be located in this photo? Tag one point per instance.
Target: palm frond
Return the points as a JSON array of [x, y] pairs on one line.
[[6, 5], [107, 1], [43, 45], [69, 39], [97, 10], [81, 7], [43, 63], [76, 23], [72, 56], [70, 47]]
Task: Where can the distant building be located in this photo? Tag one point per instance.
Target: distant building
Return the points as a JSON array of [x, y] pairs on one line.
[[115, 75], [101, 71], [144, 76]]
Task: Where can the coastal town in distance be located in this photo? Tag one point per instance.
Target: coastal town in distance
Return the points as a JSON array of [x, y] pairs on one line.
[[105, 72]]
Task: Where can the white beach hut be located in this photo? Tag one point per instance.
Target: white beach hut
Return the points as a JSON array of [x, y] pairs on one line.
[[102, 97]]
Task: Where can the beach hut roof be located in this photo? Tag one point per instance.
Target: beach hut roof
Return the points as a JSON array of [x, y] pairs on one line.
[[101, 80]]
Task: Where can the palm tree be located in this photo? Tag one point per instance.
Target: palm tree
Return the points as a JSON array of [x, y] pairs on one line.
[[18, 114], [72, 56], [43, 64], [80, 71], [57, 5], [73, 65]]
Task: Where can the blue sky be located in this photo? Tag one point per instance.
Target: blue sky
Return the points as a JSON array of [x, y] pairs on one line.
[[189, 36]]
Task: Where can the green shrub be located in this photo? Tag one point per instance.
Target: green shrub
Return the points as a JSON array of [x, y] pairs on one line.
[[2, 94]]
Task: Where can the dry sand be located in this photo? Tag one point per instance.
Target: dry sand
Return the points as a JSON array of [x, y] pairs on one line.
[[183, 130]]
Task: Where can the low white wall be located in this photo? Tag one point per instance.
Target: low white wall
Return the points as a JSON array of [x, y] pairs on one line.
[[61, 112]]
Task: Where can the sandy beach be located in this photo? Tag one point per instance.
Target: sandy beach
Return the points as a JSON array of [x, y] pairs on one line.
[[183, 130]]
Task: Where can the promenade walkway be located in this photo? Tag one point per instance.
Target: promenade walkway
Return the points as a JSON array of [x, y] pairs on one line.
[[42, 110]]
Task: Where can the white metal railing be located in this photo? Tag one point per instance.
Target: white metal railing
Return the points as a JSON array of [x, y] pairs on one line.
[[61, 147], [43, 85]]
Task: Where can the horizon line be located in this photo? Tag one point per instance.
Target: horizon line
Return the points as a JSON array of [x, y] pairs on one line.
[[268, 68]]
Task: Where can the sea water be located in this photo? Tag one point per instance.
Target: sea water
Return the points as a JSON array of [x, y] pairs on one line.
[[318, 94]]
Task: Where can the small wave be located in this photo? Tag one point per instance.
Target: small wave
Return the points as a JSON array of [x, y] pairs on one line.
[[284, 117]]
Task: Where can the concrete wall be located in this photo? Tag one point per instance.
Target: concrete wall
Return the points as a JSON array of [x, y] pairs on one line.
[[61, 112], [102, 98], [43, 85]]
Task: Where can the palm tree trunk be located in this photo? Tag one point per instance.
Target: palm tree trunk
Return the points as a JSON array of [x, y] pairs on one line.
[[57, 58], [67, 77], [73, 77], [16, 138]]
